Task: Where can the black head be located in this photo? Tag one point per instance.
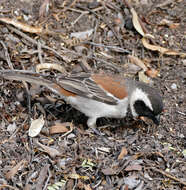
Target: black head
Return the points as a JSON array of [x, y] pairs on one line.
[[143, 110], [146, 101]]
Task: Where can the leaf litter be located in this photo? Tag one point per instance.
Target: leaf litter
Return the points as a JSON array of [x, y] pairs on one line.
[[70, 156]]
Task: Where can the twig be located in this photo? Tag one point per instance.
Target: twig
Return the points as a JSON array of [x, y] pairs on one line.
[[78, 18], [68, 132], [42, 177], [85, 12], [22, 34], [7, 55], [113, 48], [39, 52], [181, 113], [165, 3], [33, 41], [48, 178], [17, 130], [94, 35], [169, 175], [48, 48], [76, 10], [7, 186], [92, 57], [105, 21], [82, 13], [28, 93]]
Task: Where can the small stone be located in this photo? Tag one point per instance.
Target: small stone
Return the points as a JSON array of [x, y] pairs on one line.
[[110, 34], [71, 136], [181, 135], [11, 128], [174, 86]]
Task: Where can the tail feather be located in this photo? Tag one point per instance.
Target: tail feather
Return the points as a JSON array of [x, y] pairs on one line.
[[32, 77]]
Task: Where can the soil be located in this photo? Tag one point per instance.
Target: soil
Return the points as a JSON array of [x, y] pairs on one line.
[[131, 154]]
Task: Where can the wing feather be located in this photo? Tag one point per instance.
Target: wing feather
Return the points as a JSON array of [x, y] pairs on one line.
[[84, 85]]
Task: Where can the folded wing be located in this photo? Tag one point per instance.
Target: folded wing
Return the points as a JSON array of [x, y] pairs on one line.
[[84, 85]]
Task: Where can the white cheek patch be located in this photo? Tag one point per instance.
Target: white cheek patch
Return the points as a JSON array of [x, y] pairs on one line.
[[138, 94]]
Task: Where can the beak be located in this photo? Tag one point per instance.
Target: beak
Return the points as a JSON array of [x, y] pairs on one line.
[[156, 119]]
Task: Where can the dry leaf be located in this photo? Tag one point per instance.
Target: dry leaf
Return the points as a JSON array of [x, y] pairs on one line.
[[77, 176], [134, 167], [137, 62], [87, 187], [123, 153], [22, 26], [162, 50], [132, 182], [82, 35], [50, 66], [136, 22], [42, 176], [60, 128], [11, 127], [51, 151], [106, 55], [144, 78], [137, 25], [152, 73], [108, 171], [44, 8], [36, 126], [14, 170], [27, 187], [104, 149], [169, 23]]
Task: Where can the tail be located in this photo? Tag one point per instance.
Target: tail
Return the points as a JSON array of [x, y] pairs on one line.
[[31, 77]]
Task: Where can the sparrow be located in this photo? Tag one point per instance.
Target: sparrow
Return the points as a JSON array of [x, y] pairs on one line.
[[98, 95]]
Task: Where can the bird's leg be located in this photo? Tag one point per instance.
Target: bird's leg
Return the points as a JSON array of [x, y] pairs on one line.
[[92, 124]]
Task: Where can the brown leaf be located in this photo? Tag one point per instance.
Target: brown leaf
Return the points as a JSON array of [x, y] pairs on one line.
[[87, 187], [28, 187], [134, 167], [152, 73], [136, 22], [144, 78], [77, 176], [108, 171], [162, 50], [43, 11], [22, 26], [169, 23], [137, 62], [14, 170], [42, 177], [83, 34], [60, 128], [70, 184], [123, 153], [51, 151]]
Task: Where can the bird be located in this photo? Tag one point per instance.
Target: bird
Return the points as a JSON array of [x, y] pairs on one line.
[[98, 94]]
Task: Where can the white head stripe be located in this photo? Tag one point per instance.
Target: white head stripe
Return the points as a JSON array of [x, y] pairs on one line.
[[138, 94]]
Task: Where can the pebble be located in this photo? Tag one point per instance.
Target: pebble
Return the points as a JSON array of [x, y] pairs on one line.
[[11, 128], [174, 86]]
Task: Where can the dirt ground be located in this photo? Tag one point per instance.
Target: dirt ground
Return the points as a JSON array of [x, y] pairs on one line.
[[133, 154]]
